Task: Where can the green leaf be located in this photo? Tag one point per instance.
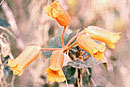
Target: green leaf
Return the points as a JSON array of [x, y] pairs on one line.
[[71, 80], [87, 76], [55, 42], [72, 35], [69, 71], [79, 64], [83, 64], [86, 79], [47, 53], [69, 74], [92, 61], [4, 23]]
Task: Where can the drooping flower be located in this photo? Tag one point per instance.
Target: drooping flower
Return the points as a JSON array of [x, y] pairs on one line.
[[89, 45], [55, 76], [55, 72], [27, 56], [103, 35], [57, 12]]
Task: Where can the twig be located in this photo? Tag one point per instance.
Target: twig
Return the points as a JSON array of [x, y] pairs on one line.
[[93, 82], [66, 83], [2, 2], [12, 22], [11, 56], [67, 48], [9, 32], [50, 49], [71, 56], [12, 81], [2, 78], [10, 18], [88, 72], [81, 81], [79, 78], [73, 38], [62, 37]]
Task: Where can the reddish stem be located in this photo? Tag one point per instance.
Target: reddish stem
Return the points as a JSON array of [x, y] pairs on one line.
[[50, 49], [67, 48], [62, 36], [73, 38]]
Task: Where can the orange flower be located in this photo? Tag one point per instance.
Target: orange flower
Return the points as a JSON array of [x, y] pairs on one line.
[[103, 35], [55, 76], [28, 55], [96, 50], [57, 12], [54, 72]]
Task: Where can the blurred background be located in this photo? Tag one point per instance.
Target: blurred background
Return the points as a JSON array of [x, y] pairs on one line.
[[24, 22]]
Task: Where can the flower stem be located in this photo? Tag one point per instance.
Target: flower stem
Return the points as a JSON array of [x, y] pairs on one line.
[[73, 38], [49, 49], [67, 48], [62, 36]]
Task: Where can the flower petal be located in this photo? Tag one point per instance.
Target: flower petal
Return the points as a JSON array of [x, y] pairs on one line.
[[57, 60], [54, 76], [96, 50], [103, 35], [28, 55], [56, 11]]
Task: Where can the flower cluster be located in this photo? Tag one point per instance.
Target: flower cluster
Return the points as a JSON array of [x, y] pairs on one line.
[[84, 39]]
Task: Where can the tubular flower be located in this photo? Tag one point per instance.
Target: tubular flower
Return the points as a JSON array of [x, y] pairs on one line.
[[103, 35], [57, 12], [28, 55], [96, 50], [54, 72]]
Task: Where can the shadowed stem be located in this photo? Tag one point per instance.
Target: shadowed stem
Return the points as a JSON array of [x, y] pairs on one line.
[[49, 49], [62, 36], [79, 78], [73, 38]]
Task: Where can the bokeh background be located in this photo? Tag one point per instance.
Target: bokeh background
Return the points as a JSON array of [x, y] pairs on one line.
[[24, 22]]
